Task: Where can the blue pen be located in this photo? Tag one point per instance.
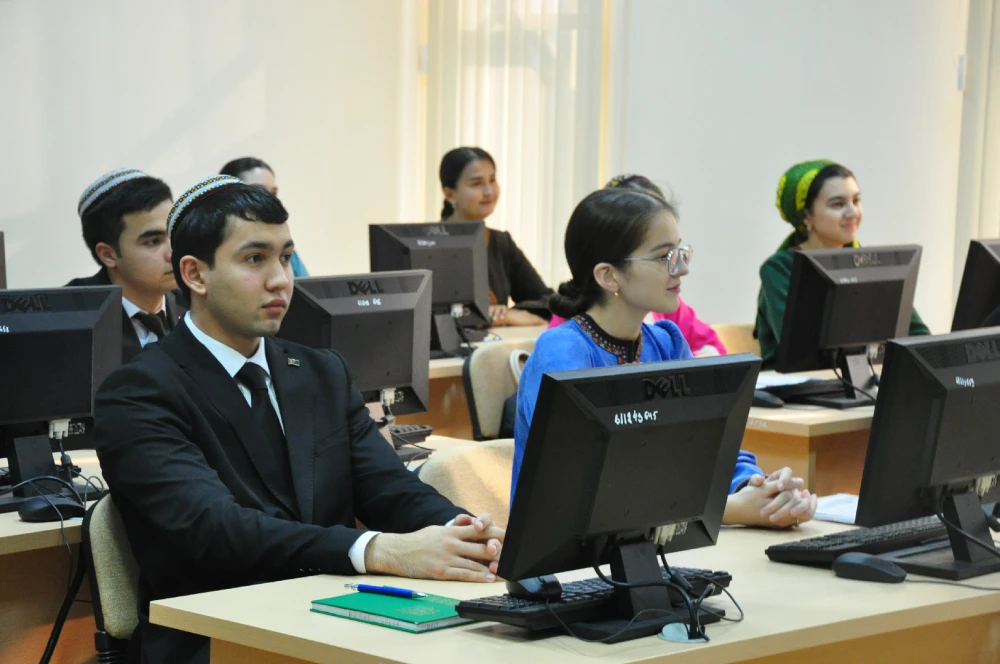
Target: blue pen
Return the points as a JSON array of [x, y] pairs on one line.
[[385, 590]]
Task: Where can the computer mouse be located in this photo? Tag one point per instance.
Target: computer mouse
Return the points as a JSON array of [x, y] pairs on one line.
[[536, 587], [762, 399], [866, 567], [38, 510]]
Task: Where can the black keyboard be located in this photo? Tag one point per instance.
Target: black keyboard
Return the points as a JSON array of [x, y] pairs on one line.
[[822, 551], [586, 600], [409, 434], [810, 388]]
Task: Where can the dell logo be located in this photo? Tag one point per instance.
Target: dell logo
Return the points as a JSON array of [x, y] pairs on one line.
[[867, 260], [965, 382], [665, 387], [436, 229], [365, 287], [23, 304], [982, 351]]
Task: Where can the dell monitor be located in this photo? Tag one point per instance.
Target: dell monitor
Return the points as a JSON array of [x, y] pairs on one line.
[[935, 448], [56, 347], [612, 454], [379, 322], [979, 294], [842, 305], [3, 264], [456, 253]]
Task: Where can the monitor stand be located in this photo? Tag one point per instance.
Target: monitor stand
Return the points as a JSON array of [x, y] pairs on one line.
[[449, 338], [858, 374], [957, 558], [31, 456], [636, 562]]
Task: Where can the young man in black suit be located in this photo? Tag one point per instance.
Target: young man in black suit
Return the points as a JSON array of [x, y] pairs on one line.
[[124, 217], [237, 458]]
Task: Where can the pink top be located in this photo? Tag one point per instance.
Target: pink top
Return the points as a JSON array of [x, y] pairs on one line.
[[697, 333]]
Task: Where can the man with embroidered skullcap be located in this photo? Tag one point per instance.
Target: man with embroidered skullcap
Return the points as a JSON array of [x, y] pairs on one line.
[[238, 458], [124, 218]]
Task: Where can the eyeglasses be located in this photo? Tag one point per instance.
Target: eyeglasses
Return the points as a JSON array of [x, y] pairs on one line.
[[676, 259]]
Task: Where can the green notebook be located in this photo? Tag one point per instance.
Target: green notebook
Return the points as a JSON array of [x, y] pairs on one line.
[[421, 614]]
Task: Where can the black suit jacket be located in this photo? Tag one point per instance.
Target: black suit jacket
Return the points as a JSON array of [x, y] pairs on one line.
[[130, 340], [173, 432]]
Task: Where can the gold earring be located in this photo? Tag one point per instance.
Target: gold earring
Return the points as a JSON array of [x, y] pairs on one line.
[[616, 293]]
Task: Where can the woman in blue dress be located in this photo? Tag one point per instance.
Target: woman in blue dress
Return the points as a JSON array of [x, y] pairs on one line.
[[627, 258]]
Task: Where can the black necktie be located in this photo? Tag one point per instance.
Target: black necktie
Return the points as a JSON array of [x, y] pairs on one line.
[[155, 323], [273, 457]]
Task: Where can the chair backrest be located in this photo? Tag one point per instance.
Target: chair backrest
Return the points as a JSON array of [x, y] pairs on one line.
[[489, 380], [474, 476], [113, 571], [738, 338]]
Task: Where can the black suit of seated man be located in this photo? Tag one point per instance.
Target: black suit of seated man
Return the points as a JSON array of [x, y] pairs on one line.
[[209, 498], [173, 305], [124, 218]]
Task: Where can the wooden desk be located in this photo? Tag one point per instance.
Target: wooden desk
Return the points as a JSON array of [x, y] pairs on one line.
[[34, 565], [823, 446], [447, 408], [793, 614]]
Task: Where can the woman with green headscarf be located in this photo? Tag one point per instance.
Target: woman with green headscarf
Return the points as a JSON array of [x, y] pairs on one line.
[[822, 202]]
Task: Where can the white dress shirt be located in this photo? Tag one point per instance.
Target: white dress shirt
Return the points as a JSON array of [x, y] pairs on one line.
[[145, 335], [232, 361]]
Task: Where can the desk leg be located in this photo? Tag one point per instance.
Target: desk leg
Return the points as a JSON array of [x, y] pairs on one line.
[[974, 640], [447, 410], [829, 464], [777, 450], [227, 652], [838, 461], [32, 588]]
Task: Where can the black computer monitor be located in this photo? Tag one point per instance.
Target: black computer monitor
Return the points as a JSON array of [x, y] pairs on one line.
[[3, 263], [935, 447], [843, 304], [379, 322], [979, 294], [56, 347], [615, 452], [456, 253]]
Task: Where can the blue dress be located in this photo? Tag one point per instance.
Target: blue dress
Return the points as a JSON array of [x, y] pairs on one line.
[[569, 347]]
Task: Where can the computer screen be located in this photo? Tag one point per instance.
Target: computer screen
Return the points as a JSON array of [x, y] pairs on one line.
[[979, 294], [379, 322], [56, 347], [456, 253], [842, 305], [934, 445], [3, 263], [615, 452]]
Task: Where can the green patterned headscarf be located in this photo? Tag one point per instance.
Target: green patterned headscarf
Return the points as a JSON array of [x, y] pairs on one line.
[[793, 187]]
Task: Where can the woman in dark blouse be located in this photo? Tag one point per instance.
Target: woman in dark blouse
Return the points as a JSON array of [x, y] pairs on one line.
[[469, 182]]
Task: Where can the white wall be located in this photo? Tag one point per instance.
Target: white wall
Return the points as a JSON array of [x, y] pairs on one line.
[[722, 96], [317, 89]]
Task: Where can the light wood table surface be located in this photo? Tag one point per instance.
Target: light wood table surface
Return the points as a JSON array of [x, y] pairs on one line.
[[448, 408], [793, 614], [34, 566]]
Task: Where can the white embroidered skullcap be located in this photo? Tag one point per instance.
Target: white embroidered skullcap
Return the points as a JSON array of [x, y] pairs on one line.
[[104, 184], [198, 190]]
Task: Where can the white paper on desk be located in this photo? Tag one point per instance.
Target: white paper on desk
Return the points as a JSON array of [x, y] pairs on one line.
[[777, 380], [839, 508]]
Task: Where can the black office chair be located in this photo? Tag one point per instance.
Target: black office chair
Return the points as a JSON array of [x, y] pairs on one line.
[[114, 580]]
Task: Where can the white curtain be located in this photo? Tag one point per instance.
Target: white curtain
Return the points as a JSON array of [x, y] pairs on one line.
[[978, 214], [521, 79]]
